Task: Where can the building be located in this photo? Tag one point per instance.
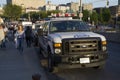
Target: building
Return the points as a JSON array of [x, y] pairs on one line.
[[88, 7], [63, 8], [28, 3], [49, 6], [74, 7], [115, 10], [27, 10], [1, 10]]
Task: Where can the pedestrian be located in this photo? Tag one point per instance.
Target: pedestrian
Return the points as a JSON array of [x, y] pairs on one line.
[[28, 36], [96, 27], [5, 32], [2, 36], [19, 38]]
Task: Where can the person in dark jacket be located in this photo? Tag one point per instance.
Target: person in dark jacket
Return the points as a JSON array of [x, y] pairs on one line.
[[28, 36]]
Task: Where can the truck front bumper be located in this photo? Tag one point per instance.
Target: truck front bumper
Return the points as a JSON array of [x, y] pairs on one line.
[[80, 61]]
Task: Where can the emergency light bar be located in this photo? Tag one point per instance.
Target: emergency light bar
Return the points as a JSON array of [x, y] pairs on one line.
[[62, 18]]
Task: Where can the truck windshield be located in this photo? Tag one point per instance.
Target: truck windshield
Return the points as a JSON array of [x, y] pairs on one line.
[[68, 26]]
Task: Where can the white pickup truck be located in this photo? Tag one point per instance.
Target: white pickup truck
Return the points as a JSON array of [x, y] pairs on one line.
[[68, 43]]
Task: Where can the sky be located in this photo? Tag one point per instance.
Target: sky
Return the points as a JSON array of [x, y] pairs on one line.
[[96, 3]]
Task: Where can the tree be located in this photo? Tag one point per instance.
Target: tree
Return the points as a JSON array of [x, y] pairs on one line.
[[25, 15], [34, 16], [100, 17], [94, 17], [12, 11], [53, 11], [86, 14], [43, 14], [106, 15]]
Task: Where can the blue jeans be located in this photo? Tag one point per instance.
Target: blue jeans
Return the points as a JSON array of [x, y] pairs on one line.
[[20, 42]]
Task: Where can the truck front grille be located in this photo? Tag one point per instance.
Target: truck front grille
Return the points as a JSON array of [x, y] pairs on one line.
[[81, 45]]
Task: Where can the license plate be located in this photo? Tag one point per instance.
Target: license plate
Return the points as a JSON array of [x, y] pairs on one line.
[[84, 60]]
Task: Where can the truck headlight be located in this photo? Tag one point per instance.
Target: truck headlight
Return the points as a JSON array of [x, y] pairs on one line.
[[57, 51], [104, 48], [57, 47], [104, 43]]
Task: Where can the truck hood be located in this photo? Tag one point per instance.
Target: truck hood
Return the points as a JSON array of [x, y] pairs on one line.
[[57, 37]]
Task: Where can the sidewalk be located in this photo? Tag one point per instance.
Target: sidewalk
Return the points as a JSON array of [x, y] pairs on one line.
[[14, 66]]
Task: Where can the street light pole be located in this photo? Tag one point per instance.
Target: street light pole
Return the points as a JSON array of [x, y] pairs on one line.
[[116, 17], [29, 18], [80, 10]]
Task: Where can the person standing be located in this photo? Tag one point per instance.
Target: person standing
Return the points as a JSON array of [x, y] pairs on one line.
[[28, 36], [2, 36], [19, 38], [5, 32]]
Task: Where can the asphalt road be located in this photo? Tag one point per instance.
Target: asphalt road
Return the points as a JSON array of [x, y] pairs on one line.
[[111, 70], [14, 66]]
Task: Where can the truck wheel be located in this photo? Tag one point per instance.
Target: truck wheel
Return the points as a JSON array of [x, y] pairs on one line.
[[51, 68], [40, 50], [50, 63]]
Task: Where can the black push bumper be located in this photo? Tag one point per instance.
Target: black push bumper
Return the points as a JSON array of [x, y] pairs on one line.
[[95, 64], [80, 61]]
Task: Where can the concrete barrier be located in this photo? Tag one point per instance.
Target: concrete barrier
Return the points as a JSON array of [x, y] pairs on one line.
[[113, 37]]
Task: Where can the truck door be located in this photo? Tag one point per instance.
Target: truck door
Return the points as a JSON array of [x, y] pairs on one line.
[[44, 37]]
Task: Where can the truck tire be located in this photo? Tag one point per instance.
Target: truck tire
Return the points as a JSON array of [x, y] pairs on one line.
[[50, 62], [51, 67], [40, 49]]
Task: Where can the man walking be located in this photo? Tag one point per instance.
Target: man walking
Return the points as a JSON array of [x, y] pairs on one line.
[[28, 36]]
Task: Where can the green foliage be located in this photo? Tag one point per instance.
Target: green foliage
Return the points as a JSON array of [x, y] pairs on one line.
[[94, 17], [34, 15], [86, 14], [39, 15], [25, 15], [43, 14], [12, 11], [53, 11], [100, 18], [106, 15]]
